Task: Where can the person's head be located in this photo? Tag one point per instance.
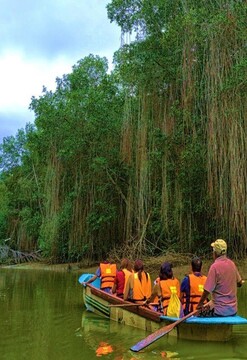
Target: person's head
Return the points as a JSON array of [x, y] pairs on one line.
[[196, 264], [138, 266], [126, 264], [219, 247], [166, 271], [109, 260]]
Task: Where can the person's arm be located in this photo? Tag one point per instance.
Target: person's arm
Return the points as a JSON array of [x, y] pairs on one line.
[[129, 288], [210, 285], [178, 288], [184, 289], [204, 296], [114, 288], [240, 282], [91, 280], [97, 275], [155, 292]]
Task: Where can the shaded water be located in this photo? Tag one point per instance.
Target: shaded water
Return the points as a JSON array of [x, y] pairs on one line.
[[42, 317]]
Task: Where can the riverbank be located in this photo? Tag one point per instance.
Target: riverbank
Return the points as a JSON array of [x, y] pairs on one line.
[[181, 266]]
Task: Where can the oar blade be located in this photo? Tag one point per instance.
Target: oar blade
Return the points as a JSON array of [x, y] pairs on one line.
[[160, 332], [152, 338]]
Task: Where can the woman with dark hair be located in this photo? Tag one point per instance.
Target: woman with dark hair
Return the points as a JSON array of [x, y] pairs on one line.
[[138, 287], [166, 285]]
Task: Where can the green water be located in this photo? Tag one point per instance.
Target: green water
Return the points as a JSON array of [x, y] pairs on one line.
[[42, 317]]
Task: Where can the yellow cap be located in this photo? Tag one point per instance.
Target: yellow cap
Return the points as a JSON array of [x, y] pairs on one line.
[[219, 246]]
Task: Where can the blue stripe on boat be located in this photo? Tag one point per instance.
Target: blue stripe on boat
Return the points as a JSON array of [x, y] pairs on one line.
[[230, 320]]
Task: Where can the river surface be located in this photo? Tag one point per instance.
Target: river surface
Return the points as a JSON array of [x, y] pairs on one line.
[[43, 318]]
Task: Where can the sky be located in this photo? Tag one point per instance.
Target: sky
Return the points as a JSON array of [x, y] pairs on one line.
[[40, 41]]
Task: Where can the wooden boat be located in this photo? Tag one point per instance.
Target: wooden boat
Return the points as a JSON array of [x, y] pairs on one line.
[[125, 312]]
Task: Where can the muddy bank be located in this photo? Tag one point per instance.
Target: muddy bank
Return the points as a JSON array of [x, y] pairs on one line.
[[152, 265]]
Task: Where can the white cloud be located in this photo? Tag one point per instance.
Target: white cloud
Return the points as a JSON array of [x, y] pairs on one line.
[[41, 41], [21, 79]]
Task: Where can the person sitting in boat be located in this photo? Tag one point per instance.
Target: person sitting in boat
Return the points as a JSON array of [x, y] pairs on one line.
[[106, 272], [165, 285], [122, 277], [192, 286], [222, 281], [138, 287]]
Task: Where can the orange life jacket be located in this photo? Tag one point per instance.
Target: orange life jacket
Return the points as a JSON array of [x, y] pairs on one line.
[[108, 273], [168, 287], [196, 290], [141, 289]]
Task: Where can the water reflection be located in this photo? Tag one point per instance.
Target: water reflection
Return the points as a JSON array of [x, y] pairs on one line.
[[39, 313], [103, 335], [96, 329], [42, 318]]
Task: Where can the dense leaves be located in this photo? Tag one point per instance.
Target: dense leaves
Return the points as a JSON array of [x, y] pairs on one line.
[[148, 158]]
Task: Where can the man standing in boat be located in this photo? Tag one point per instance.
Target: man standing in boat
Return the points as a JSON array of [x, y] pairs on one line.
[[222, 282], [192, 286]]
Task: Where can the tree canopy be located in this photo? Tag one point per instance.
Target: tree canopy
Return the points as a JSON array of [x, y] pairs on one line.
[[147, 158]]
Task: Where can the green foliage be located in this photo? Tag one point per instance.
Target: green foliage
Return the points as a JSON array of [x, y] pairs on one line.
[[4, 205], [134, 157], [101, 215]]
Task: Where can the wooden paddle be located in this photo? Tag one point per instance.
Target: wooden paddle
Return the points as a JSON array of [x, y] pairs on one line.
[[159, 333], [123, 305], [132, 304]]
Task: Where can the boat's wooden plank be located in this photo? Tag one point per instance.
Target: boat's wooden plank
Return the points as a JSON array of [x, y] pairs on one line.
[[204, 332], [140, 310]]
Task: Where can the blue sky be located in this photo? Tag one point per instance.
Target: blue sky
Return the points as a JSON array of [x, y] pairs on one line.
[[42, 40]]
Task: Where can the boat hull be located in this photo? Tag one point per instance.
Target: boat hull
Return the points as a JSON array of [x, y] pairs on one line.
[[194, 328], [139, 317]]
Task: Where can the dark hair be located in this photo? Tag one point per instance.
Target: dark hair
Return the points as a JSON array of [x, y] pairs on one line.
[[138, 268], [126, 264], [166, 271], [196, 264]]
